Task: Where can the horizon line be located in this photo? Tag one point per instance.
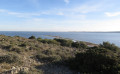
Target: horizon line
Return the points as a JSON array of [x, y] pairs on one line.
[[62, 31]]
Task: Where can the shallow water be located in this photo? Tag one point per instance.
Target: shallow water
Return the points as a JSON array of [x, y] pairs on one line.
[[93, 37]]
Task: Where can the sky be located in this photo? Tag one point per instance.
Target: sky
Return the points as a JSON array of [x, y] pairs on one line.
[[59, 15]]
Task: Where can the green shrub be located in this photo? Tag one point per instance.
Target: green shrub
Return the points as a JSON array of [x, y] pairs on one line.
[[52, 42], [6, 47], [12, 48], [23, 45], [48, 58], [64, 42], [79, 45], [39, 38], [49, 41], [109, 46], [96, 61], [32, 37], [10, 58], [16, 49], [49, 52], [22, 72]]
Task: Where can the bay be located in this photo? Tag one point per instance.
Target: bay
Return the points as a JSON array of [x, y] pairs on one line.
[[93, 37]]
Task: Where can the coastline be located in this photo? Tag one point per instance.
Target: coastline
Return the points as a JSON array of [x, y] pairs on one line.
[[95, 38], [89, 44]]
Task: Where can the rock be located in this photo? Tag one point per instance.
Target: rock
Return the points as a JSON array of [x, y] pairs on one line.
[[24, 69], [16, 70]]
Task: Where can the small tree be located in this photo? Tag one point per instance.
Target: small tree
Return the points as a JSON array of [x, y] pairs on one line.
[[109, 46], [64, 42], [79, 45], [32, 37]]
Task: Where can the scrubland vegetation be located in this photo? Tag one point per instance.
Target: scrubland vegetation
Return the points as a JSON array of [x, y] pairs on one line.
[[57, 56]]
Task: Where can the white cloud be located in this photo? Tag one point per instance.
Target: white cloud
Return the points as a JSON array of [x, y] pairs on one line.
[[28, 15], [67, 1], [85, 8], [74, 25], [19, 14], [13, 13], [40, 24], [77, 11], [1, 10], [112, 14], [60, 13]]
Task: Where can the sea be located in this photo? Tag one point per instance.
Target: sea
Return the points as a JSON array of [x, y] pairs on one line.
[[93, 37]]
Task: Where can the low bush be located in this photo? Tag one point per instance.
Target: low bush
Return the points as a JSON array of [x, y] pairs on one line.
[[12, 48], [39, 38], [49, 41], [32, 37], [64, 42], [46, 58], [79, 45], [22, 72], [96, 61], [16, 49], [6, 47], [10, 58], [109, 46], [23, 45], [49, 52]]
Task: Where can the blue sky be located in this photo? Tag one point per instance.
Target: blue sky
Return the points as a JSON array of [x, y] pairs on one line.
[[59, 15]]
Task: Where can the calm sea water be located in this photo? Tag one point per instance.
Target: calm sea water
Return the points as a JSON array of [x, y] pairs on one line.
[[80, 36]]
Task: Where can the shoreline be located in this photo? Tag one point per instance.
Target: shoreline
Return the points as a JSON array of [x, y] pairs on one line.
[[89, 44]]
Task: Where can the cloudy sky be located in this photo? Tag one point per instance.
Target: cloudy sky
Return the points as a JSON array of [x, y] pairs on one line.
[[59, 15]]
